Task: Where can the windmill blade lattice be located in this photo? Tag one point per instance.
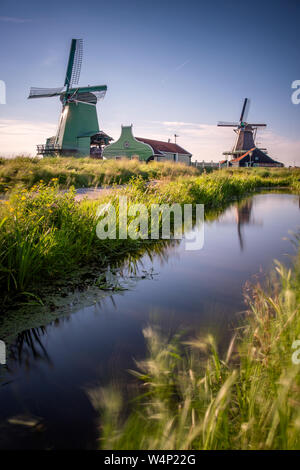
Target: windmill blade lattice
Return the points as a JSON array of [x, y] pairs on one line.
[[77, 62], [227, 124], [74, 63], [78, 122], [44, 92]]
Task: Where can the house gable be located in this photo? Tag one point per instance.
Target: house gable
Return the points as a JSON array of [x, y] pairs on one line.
[[128, 147]]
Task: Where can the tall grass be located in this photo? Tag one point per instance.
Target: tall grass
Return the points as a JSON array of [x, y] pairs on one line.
[[87, 172], [83, 172], [191, 398], [45, 233]]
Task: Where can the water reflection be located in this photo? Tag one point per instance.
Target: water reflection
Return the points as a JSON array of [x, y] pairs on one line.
[[29, 346], [123, 276], [243, 217], [196, 291], [162, 250]]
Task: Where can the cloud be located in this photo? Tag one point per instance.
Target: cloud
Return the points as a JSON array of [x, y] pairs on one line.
[[281, 148], [208, 142], [205, 141], [21, 137], [12, 19]]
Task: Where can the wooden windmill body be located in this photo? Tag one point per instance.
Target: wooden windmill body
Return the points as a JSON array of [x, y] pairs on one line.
[[245, 152], [78, 126]]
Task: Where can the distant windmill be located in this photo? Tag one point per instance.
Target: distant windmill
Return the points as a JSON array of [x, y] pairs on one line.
[[78, 123], [246, 133]]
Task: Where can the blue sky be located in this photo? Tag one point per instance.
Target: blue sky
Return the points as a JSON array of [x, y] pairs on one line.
[[169, 67]]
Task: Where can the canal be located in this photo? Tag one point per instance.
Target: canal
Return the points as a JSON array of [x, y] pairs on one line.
[[50, 368]]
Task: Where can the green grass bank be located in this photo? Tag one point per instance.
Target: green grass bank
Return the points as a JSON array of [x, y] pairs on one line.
[[45, 234], [25, 172], [83, 172]]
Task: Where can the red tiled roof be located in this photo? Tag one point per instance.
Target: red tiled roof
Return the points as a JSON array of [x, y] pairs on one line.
[[242, 156], [160, 147]]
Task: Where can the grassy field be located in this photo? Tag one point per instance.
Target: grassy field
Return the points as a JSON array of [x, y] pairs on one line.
[[25, 172], [45, 233], [191, 398], [83, 172]]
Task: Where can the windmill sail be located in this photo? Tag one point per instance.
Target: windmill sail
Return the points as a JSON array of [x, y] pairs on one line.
[[74, 63], [245, 151], [90, 94], [227, 124], [99, 94], [78, 118], [257, 125], [245, 109], [86, 97], [44, 92]]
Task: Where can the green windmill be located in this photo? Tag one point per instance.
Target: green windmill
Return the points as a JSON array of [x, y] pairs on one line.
[[78, 127]]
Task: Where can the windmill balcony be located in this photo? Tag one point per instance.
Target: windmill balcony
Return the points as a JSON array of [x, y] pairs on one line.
[[48, 149]]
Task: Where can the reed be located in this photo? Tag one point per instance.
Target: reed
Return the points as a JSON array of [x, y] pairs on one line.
[[190, 398], [25, 172], [83, 172], [45, 233]]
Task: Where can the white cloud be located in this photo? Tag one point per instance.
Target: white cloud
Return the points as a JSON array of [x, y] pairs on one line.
[[12, 19], [208, 142], [281, 148], [21, 137], [204, 141]]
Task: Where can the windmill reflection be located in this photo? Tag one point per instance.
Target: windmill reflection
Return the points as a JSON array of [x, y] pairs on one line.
[[243, 217]]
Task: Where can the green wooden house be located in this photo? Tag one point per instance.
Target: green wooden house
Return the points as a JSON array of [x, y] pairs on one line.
[[143, 149]]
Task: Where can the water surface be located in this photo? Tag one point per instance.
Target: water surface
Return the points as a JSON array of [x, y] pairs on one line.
[[49, 368]]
